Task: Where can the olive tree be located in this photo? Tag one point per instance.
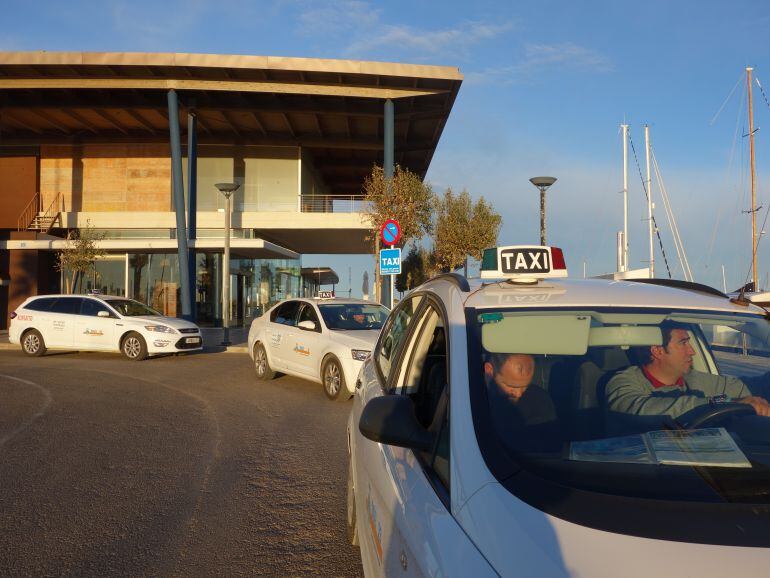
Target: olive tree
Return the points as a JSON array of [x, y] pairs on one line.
[[79, 253], [463, 229]]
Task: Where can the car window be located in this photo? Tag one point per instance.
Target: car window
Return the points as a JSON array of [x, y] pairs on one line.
[[70, 305], [131, 308], [353, 316], [308, 314], [394, 333], [42, 304], [423, 377], [92, 307], [286, 314]]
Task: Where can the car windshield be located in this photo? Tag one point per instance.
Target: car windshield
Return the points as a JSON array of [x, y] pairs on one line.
[[353, 316], [627, 402], [131, 308]]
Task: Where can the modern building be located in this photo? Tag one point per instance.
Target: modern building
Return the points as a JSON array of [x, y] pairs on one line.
[[131, 145]]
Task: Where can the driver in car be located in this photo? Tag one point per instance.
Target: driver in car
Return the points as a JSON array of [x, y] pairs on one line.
[[664, 382]]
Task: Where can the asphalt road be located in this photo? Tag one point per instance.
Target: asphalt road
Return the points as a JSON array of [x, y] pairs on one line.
[[181, 466]]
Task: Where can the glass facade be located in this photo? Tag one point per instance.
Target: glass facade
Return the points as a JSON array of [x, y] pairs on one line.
[[153, 279]]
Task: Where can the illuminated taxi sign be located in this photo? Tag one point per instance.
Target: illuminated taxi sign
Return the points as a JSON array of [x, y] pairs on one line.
[[523, 263], [326, 294]]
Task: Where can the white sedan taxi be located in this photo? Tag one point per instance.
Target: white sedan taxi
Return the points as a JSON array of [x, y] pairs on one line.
[[323, 340], [99, 323], [521, 425]]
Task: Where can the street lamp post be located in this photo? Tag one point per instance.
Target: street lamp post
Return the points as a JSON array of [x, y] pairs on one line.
[[542, 183], [227, 189]]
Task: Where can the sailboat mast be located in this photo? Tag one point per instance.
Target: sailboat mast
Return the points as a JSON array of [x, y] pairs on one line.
[[624, 258], [649, 202], [753, 183]]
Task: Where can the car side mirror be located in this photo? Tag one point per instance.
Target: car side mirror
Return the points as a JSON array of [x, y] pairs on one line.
[[307, 325], [391, 420], [103, 314]]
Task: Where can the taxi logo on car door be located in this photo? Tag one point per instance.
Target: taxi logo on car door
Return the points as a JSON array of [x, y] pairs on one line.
[[301, 349], [95, 332]]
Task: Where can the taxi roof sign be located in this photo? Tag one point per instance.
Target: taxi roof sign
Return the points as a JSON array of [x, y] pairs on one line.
[[523, 263]]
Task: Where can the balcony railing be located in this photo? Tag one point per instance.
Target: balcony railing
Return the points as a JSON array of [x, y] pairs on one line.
[[332, 204]]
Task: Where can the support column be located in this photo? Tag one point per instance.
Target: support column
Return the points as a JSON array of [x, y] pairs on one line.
[[192, 203], [178, 194], [388, 169]]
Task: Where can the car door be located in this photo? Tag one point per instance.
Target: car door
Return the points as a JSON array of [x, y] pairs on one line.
[[305, 354], [60, 323], [381, 485], [277, 333], [91, 331]]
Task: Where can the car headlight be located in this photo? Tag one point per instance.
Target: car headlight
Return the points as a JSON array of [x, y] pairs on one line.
[[160, 328], [360, 354]]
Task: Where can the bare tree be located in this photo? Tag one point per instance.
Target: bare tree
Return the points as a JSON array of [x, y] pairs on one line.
[[408, 199], [463, 229], [79, 254]]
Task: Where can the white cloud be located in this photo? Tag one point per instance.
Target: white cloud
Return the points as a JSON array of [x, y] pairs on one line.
[[536, 57], [454, 41], [331, 18]]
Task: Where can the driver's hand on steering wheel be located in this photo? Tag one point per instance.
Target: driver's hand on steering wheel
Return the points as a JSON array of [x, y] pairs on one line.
[[759, 404]]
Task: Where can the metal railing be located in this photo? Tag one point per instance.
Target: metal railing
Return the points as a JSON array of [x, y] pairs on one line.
[[332, 204], [53, 212], [29, 213], [32, 217]]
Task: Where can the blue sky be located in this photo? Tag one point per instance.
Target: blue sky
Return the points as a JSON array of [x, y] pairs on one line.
[[547, 84]]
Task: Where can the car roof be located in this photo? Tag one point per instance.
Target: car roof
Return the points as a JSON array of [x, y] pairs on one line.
[[595, 293], [102, 297]]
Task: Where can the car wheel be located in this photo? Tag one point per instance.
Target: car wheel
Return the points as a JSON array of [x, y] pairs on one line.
[[352, 524], [32, 343], [334, 380], [261, 364], [134, 347]]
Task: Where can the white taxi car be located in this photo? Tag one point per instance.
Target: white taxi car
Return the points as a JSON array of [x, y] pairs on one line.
[[443, 481], [99, 323], [323, 340]]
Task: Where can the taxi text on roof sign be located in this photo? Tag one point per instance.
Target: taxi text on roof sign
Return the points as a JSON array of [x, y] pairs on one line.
[[523, 263]]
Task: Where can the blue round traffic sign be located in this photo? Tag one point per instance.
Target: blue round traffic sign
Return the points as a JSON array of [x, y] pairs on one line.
[[390, 232]]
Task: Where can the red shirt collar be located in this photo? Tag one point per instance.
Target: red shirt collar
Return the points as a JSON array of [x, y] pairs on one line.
[[656, 383]]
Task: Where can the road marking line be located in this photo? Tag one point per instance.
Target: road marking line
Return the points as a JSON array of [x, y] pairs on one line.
[[24, 425]]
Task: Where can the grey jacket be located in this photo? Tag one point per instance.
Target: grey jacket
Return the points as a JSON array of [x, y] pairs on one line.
[[631, 392]]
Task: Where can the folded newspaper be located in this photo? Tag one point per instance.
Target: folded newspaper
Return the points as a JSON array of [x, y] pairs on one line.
[[702, 447]]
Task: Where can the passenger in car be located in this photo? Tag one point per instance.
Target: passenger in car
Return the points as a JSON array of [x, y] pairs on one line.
[[664, 382], [523, 414]]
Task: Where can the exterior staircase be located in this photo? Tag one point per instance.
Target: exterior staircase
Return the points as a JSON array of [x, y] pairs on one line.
[[33, 219]]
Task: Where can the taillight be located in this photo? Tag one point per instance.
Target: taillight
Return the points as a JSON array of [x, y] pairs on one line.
[[13, 315]]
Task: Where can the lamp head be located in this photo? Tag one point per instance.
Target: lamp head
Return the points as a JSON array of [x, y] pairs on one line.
[[542, 182], [227, 189]]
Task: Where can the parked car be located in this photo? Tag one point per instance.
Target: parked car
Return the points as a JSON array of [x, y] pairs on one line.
[[453, 473], [99, 323], [323, 340]]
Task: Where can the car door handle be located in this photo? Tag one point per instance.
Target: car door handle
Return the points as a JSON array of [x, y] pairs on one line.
[[118, 325]]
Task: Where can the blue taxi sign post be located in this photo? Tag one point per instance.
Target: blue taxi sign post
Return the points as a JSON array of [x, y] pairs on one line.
[[390, 259]]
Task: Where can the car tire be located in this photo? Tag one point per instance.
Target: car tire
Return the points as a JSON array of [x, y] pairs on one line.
[[32, 343], [134, 347], [333, 380], [352, 524], [261, 363]]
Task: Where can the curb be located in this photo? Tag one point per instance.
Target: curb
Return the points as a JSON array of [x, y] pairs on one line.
[[4, 346]]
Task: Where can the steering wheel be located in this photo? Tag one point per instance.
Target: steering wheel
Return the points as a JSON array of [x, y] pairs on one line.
[[704, 415]]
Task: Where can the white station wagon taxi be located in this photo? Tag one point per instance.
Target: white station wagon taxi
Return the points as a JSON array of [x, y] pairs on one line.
[[323, 340], [99, 323], [530, 425]]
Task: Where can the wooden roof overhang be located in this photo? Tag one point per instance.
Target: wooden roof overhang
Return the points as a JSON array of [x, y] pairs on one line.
[[332, 108]]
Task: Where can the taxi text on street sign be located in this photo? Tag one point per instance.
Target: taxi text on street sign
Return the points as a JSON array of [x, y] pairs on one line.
[[390, 262]]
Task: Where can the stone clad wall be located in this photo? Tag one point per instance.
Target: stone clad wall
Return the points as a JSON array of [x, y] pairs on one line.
[[107, 178]]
